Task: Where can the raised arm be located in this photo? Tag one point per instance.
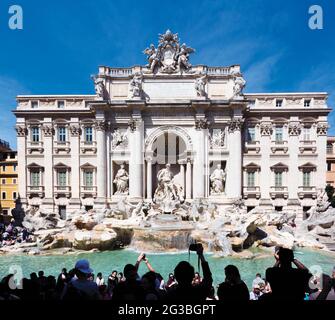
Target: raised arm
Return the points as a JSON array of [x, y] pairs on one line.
[[207, 279], [146, 261], [138, 261]]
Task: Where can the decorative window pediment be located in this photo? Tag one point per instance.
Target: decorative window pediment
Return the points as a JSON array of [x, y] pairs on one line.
[[251, 167], [279, 167], [35, 166], [307, 167], [87, 166], [61, 165]]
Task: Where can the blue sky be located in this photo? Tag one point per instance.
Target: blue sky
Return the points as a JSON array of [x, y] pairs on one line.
[[63, 42]]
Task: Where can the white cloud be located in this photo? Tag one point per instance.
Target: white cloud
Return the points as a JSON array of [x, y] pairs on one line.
[[259, 74]]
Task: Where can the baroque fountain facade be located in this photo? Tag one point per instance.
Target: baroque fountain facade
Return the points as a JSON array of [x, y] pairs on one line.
[[158, 158]]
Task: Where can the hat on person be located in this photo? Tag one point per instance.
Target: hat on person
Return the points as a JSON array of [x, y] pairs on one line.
[[83, 266]]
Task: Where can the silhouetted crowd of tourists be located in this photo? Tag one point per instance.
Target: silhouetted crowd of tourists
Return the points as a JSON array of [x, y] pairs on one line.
[[288, 279]]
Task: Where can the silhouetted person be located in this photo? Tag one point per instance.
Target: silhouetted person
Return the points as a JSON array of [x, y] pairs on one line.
[[112, 282], [61, 280], [233, 288], [130, 289], [80, 287], [184, 273], [149, 284], [287, 283]]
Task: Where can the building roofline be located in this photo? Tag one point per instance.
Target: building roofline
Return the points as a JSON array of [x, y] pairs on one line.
[[286, 94], [43, 96]]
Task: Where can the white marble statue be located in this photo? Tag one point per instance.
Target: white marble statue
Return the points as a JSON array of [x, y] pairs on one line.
[[153, 57], [121, 180], [135, 86], [239, 86], [200, 86], [99, 87], [217, 179], [183, 56], [169, 56], [167, 190]]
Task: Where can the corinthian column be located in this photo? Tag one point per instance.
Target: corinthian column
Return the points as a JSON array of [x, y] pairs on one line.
[[47, 130], [136, 159], [100, 126], [188, 179], [75, 163], [234, 164], [149, 178], [22, 164], [200, 161]]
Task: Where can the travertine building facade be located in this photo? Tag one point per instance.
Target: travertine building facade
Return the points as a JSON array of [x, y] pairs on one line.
[[271, 146]]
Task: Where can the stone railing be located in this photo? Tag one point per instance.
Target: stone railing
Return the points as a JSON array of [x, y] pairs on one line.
[[249, 191], [277, 145], [281, 191], [115, 72], [62, 190], [307, 145], [62, 146], [304, 191], [221, 71], [35, 146], [35, 190], [252, 146], [88, 191]]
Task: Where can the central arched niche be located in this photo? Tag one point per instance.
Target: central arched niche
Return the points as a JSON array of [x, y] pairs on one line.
[[169, 145]]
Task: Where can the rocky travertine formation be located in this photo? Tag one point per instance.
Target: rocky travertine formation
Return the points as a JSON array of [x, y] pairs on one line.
[[145, 227]]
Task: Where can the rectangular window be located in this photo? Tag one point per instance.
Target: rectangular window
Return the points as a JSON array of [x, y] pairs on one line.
[[4, 168], [279, 134], [34, 104], [278, 179], [251, 179], [61, 134], [330, 148], [307, 134], [61, 178], [3, 195], [329, 166], [14, 196], [35, 179], [251, 134], [307, 103], [60, 104], [88, 178], [14, 167], [35, 134], [5, 212], [89, 134], [14, 181], [306, 179], [279, 102], [3, 181]]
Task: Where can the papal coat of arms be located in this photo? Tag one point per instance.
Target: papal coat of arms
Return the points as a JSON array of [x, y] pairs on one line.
[[169, 56]]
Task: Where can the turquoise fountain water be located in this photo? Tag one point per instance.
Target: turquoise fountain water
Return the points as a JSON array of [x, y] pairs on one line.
[[106, 262]]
